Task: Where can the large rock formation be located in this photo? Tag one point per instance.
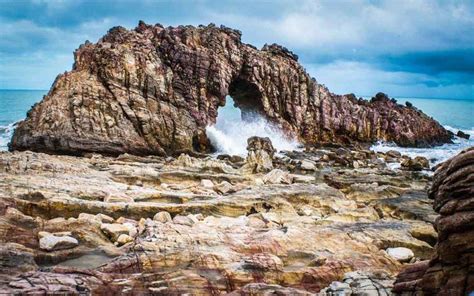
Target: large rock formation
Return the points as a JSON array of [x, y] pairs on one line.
[[451, 270], [153, 90]]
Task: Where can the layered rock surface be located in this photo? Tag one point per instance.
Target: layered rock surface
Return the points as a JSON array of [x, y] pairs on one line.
[[152, 225], [153, 90], [451, 270]]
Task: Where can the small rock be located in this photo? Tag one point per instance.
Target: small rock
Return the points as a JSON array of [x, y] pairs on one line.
[[224, 187], [53, 243], [104, 218], [416, 164], [277, 176], [124, 239], [463, 135], [206, 183], [163, 217], [183, 220], [114, 230], [401, 254], [393, 154], [308, 165]]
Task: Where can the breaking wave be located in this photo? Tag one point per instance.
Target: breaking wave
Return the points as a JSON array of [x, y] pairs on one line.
[[230, 133], [6, 132]]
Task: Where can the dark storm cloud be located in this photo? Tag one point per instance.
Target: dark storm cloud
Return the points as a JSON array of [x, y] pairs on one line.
[[422, 48]]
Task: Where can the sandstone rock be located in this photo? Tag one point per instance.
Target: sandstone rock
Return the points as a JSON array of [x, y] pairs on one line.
[[50, 242], [224, 187], [163, 217], [114, 230], [401, 254], [277, 176], [263, 261]]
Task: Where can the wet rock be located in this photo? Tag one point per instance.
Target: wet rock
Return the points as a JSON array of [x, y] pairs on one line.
[[463, 135], [401, 254], [415, 164]]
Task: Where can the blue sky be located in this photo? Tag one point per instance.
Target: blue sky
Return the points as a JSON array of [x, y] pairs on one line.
[[404, 48]]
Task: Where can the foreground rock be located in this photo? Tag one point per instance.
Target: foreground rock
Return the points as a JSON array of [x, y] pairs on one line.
[[291, 230], [450, 271], [153, 90]]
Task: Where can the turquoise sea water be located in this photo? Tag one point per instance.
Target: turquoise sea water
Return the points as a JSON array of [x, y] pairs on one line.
[[453, 114]]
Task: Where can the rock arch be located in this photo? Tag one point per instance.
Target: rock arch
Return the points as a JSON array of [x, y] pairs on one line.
[[153, 90]]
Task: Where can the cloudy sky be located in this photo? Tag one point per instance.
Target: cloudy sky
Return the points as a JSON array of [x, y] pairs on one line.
[[404, 48]]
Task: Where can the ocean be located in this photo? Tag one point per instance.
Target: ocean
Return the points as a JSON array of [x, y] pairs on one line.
[[230, 133]]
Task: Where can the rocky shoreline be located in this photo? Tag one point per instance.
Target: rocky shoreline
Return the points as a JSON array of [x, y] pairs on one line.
[[296, 223]]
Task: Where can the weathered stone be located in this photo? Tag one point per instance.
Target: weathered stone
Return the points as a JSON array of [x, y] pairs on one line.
[[307, 165]]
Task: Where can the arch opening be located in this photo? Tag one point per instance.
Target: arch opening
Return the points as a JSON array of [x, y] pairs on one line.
[[242, 117]]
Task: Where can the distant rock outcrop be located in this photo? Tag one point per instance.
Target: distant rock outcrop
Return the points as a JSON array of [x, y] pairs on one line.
[[153, 90], [450, 271]]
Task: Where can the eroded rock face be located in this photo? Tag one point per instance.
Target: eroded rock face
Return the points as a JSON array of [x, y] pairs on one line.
[[153, 90], [450, 271]]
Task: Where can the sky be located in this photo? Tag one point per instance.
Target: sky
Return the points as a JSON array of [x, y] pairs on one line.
[[405, 48]]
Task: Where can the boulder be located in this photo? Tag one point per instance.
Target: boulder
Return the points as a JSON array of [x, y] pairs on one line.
[[308, 165], [124, 239]]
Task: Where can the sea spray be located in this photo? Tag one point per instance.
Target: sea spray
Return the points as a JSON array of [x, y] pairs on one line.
[[230, 133], [435, 154]]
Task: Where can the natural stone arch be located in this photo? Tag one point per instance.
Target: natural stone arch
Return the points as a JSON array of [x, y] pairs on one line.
[[153, 90]]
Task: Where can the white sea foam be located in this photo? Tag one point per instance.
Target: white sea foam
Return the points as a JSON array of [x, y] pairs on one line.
[[6, 132], [436, 154], [230, 136]]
